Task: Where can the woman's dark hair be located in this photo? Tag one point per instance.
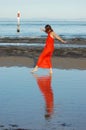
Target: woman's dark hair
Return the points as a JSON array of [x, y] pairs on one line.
[[48, 28]]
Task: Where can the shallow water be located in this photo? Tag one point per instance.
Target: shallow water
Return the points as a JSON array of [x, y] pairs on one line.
[[41, 101], [31, 28]]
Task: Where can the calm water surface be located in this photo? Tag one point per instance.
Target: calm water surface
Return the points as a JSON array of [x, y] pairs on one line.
[[31, 28], [41, 101]]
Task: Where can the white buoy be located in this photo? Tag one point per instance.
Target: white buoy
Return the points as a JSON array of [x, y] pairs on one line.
[[18, 21]]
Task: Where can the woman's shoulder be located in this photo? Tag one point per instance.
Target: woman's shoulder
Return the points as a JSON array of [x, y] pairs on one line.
[[52, 34]]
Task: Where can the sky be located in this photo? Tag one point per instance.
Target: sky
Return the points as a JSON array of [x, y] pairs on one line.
[[43, 9]]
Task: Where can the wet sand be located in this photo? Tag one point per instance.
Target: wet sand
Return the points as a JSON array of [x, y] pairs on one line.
[[76, 40], [34, 51], [58, 62]]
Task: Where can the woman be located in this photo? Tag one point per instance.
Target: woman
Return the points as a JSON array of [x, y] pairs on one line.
[[44, 60]]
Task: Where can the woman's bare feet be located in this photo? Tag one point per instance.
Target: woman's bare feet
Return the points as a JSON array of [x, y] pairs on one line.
[[35, 69], [51, 71]]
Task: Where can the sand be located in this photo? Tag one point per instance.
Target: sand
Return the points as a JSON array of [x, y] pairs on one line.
[[39, 40], [58, 62], [63, 57]]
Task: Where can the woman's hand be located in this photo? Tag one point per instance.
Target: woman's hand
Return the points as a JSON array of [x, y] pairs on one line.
[[64, 42], [42, 29]]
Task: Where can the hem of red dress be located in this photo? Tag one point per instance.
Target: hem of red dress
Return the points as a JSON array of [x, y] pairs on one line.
[[45, 67]]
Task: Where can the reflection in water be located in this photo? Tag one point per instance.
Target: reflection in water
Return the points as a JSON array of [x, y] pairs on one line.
[[44, 84]]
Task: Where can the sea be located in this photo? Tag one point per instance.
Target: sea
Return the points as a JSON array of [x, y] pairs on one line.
[[31, 28]]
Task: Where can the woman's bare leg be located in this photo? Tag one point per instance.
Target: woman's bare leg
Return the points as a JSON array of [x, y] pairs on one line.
[[51, 71], [35, 69]]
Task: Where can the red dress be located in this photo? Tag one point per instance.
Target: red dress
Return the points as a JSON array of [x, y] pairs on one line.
[[44, 84], [44, 60]]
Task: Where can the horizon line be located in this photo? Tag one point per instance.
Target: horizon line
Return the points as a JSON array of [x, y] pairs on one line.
[[44, 19]]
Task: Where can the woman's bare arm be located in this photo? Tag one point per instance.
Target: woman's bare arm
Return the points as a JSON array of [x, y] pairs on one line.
[[58, 37]]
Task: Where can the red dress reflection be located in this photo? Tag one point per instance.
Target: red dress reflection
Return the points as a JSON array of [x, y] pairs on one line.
[[44, 84]]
